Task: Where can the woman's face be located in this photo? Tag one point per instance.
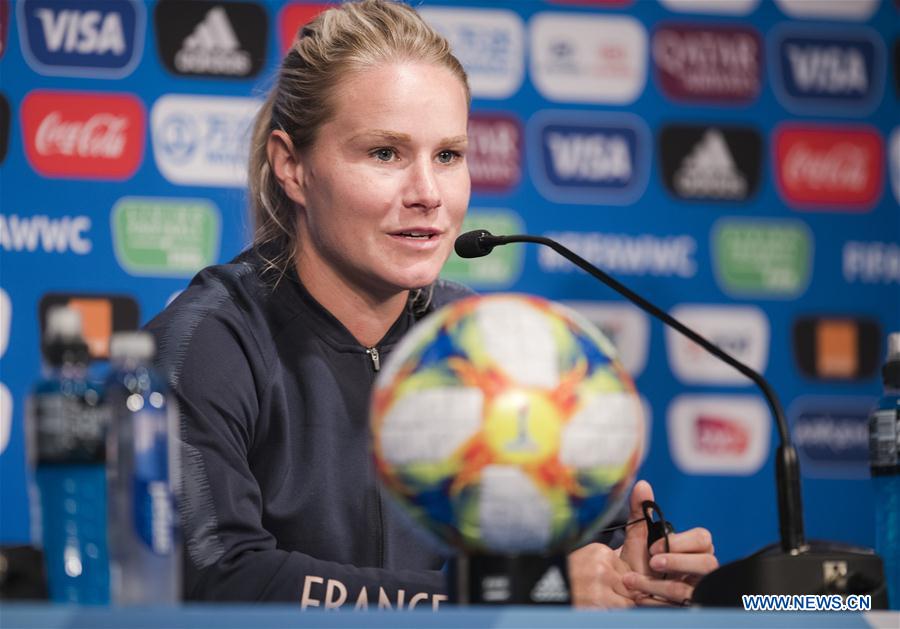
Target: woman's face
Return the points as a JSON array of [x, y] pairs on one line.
[[385, 186]]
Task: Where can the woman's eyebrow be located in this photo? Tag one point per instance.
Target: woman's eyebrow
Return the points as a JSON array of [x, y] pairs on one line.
[[396, 136], [387, 136]]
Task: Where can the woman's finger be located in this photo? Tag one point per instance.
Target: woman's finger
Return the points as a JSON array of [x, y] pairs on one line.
[[696, 540], [677, 592], [684, 563]]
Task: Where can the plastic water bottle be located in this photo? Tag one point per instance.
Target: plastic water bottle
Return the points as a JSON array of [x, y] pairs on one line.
[[884, 442], [142, 472], [67, 430]]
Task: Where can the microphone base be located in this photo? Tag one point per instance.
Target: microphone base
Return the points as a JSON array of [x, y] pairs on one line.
[[818, 568], [509, 580]]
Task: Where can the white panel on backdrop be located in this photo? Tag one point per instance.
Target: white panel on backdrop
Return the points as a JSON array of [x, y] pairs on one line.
[[726, 435], [203, 140], [588, 58], [627, 327], [829, 9], [490, 44], [894, 149], [730, 7], [742, 331], [6, 404]]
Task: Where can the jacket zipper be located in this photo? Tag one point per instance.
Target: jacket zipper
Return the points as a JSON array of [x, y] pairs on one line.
[[376, 359], [381, 539]]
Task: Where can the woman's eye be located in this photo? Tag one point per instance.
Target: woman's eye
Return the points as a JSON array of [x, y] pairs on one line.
[[384, 155], [447, 157]]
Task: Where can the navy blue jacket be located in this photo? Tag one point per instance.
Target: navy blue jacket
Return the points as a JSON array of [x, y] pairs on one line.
[[278, 498]]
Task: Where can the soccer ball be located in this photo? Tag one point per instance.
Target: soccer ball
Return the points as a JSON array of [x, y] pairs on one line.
[[506, 424]]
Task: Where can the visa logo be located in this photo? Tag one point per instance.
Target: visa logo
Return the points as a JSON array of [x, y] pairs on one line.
[[817, 69], [88, 32], [830, 70], [590, 158], [93, 38]]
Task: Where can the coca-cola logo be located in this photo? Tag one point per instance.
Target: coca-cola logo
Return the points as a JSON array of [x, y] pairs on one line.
[[495, 151], [718, 435], [829, 168], [83, 135], [712, 63]]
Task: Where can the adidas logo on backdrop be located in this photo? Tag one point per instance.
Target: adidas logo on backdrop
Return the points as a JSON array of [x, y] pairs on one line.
[[710, 163], [213, 39], [213, 47]]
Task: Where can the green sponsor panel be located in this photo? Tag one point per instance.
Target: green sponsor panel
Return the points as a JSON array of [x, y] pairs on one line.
[[503, 267], [165, 237], [762, 257]]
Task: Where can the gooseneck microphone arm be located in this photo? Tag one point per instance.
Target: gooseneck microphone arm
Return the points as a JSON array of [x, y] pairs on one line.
[[480, 242]]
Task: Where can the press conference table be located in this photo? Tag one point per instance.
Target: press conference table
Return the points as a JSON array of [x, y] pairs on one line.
[[14, 616]]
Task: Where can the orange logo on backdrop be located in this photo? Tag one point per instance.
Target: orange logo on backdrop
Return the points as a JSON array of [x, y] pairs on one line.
[[837, 344], [96, 324]]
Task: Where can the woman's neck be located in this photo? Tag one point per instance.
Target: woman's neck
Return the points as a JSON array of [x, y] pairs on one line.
[[367, 316]]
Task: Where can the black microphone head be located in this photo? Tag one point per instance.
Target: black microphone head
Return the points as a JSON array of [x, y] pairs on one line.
[[474, 244]]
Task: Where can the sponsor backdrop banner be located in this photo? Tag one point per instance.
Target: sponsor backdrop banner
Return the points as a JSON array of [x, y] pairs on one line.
[[736, 161]]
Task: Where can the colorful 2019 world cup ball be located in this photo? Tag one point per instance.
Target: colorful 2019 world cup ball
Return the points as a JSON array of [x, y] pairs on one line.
[[506, 424]]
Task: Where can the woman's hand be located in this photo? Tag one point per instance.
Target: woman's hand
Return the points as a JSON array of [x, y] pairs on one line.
[[657, 577], [595, 578]]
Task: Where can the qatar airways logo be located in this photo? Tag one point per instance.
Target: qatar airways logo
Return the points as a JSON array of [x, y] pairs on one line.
[[83, 135], [495, 151], [713, 63], [829, 168], [719, 435]]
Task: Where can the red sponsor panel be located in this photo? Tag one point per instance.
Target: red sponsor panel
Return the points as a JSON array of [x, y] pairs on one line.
[[294, 16], [721, 436], [4, 24], [83, 135], [708, 63], [494, 153], [829, 168]]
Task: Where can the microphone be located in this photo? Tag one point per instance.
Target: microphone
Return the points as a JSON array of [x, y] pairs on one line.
[[800, 567], [476, 244]]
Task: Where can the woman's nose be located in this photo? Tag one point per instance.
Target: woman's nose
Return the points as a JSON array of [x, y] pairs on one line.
[[422, 188]]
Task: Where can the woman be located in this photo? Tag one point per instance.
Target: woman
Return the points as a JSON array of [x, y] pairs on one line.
[[359, 186]]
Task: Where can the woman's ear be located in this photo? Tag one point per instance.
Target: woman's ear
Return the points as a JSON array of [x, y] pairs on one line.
[[285, 165]]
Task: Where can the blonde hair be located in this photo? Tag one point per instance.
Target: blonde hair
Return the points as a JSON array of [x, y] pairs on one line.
[[341, 40]]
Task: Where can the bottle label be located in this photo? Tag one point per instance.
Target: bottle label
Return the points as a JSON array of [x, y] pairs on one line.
[[70, 428], [153, 503], [883, 441]]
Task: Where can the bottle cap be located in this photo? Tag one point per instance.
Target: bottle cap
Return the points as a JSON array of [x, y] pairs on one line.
[[63, 324], [890, 372], [893, 346], [132, 345]]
